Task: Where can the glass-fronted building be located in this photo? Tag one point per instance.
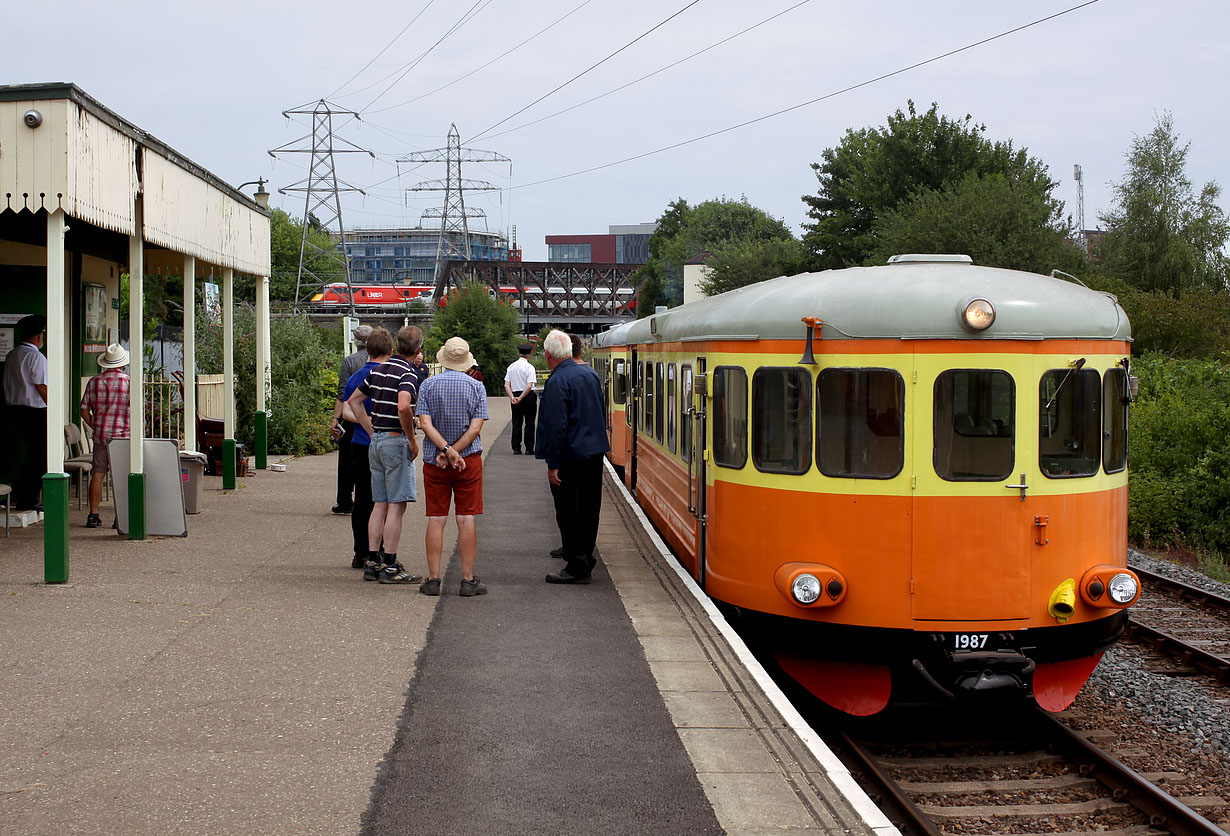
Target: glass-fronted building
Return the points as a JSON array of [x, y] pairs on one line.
[[623, 244], [408, 256]]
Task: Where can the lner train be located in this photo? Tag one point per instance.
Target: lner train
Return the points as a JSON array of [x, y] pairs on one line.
[[912, 478]]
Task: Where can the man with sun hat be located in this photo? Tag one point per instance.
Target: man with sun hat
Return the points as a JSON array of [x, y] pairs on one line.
[[104, 406]]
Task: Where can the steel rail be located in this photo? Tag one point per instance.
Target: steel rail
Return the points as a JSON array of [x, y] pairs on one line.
[[1215, 666], [1163, 809], [892, 800], [1187, 591]]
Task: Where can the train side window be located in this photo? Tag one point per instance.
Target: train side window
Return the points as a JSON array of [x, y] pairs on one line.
[[685, 418], [730, 416], [861, 429], [659, 402], [671, 407], [633, 393], [1114, 420], [620, 382], [781, 420], [1070, 426], [647, 416], [974, 432]]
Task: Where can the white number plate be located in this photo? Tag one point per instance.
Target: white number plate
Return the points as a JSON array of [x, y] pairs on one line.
[[969, 641]]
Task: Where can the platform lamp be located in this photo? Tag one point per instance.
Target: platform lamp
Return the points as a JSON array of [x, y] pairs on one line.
[[261, 197], [260, 418]]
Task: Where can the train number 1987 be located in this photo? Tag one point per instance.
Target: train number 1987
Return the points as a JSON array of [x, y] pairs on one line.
[[969, 641]]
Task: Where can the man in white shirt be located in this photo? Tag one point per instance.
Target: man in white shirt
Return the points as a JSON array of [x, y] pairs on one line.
[[25, 392], [519, 384]]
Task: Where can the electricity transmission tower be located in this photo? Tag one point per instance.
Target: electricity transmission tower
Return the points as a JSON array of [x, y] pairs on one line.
[[322, 206], [454, 217]]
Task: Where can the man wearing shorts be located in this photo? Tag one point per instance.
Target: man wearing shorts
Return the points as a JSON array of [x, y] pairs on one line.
[[393, 449], [104, 406], [452, 407]]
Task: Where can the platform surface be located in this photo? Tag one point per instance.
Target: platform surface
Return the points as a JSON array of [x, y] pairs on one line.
[[246, 680]]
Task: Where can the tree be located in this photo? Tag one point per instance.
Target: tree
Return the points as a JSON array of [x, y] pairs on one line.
[[489, 324], [285, 238], [1162, 236], [997, 221], [873, 171], [747, 262], [685, 232]]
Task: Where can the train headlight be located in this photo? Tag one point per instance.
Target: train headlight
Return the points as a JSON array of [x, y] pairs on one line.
[[978, 315], [805, 588], [1123, 588]]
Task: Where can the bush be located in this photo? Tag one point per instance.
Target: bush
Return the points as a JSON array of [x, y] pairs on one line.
[[490, 325], [303, 377], [1180, 482]]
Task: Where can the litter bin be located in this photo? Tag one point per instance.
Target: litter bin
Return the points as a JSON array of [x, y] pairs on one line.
[[192, 479]]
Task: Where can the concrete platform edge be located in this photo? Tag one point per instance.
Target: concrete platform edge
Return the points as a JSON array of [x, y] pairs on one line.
[[832, 770]]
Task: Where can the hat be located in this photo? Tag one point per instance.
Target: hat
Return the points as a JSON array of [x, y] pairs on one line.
[[115, 357], [525, 348], [361, 333], [455, 354]]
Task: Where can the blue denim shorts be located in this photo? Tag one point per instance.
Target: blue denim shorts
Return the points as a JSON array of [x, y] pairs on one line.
[[392, 470]]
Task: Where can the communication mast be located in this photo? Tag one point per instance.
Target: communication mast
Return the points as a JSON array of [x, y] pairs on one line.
[[1080, 207], [322, 205], [454, 217]]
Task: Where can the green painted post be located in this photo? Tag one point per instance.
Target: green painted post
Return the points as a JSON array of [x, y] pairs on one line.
[[228, 464], [136, 506], [55, 527], [260, 437]]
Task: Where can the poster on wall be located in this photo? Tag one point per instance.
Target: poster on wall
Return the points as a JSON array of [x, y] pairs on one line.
[[95, 307]]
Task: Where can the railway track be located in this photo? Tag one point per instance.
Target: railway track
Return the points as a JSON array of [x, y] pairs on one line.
[[1186, 624], [1042, 779]]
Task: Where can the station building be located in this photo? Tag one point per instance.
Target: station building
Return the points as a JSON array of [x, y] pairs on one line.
[[86, 196]]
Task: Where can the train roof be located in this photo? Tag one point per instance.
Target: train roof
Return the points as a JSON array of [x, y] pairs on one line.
[[912, 297]]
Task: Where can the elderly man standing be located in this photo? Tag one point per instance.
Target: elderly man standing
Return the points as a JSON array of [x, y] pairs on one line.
[[25, 391], [452, 408], [104, 406], [572, 440], [342, 430]]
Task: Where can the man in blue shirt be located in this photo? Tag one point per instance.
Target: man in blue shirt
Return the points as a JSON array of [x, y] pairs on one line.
[[572, 440]]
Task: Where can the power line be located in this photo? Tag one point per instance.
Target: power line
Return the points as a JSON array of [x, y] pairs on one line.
[[488, 64], [826, 96], [381, 52], [583, 72], [655, 72]]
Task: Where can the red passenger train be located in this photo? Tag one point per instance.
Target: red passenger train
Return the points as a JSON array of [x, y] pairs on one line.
[[909, 478]]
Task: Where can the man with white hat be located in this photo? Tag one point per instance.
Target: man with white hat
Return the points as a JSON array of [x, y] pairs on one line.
[[451, 409], [104, 406]]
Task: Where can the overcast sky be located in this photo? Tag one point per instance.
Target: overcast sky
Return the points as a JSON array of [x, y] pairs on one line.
[[211, 80]]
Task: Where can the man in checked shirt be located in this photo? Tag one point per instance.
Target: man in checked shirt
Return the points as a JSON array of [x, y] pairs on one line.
[[104, 406]]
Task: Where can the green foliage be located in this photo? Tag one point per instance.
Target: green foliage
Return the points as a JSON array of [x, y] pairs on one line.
[[1180, 479], [746, 262], [1197, 324], [285, 239], [997, 221], [490, 325], [1162, 235], [873, 171], [304, 379], [162, 298], [685, 232]]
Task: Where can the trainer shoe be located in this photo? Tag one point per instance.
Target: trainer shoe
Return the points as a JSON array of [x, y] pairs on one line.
[[472, 587], [371, 570], [396, 573], [340, 509], [93, 521], [431, 586]]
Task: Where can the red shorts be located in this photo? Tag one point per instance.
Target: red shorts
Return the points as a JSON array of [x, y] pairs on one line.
[[440, 484]]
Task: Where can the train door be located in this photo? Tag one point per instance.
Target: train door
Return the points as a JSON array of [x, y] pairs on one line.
[[632, 416], [970, 480], [695, 389]]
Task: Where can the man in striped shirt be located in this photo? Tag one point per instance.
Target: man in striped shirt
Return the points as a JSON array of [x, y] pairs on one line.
[[392, 388], [104, 406]]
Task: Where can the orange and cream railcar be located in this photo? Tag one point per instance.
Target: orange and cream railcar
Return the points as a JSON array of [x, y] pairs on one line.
[[912, 475]]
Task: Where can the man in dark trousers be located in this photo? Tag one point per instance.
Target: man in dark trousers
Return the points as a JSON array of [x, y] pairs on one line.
[[519, 386], [25, 391], [343, 430], [572, 440]]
